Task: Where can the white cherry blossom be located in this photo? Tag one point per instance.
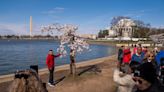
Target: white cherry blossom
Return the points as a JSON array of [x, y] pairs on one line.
[[68, 37]]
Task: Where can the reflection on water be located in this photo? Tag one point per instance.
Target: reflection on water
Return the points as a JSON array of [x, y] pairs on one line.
[[20, 54]]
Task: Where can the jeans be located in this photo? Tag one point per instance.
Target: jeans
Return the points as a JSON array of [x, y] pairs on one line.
[[51, 75]]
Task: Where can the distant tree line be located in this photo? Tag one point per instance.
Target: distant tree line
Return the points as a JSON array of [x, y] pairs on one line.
[[156, 31], [145, 30], [27, 36]]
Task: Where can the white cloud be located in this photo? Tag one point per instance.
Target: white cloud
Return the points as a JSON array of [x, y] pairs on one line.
[[137, 14], [95, 24], [59, 8], [54, 13], [55, 10]]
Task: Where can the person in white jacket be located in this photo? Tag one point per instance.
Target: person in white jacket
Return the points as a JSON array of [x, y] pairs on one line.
[[124, 80]]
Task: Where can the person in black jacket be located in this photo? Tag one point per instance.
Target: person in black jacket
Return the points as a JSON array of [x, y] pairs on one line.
[[146, 79], [120, 54], [150, 57]]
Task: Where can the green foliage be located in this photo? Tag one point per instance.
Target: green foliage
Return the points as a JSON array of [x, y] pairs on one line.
[[103, 33]]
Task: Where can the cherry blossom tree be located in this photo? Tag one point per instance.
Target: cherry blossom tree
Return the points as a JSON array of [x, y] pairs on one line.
[[68, 38]]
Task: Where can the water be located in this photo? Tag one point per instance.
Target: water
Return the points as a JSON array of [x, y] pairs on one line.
[[20, 54]]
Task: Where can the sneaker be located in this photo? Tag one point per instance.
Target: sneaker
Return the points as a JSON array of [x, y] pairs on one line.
[[48, 83], [51, 85]]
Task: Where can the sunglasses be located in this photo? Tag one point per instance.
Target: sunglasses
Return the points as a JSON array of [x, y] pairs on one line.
[[151, 56], [137, 80]]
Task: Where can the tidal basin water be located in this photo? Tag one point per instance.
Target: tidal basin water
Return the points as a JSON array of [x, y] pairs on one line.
[[20, 54]]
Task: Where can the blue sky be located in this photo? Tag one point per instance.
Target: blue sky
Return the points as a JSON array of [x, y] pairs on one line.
[[89, 15]]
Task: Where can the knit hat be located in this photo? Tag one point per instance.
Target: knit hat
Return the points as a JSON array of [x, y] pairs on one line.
[[147, 72]]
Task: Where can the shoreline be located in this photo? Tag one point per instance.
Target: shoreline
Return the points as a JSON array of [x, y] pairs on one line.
[[10, 77], [101, 43]]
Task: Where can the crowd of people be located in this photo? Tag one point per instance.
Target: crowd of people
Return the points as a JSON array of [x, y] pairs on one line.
[[140, 69]]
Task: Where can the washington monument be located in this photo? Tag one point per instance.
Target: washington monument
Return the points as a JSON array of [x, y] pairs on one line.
[[30, 26]]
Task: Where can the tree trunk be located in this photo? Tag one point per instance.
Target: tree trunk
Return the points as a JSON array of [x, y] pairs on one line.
[[73, 69], [72, 64]]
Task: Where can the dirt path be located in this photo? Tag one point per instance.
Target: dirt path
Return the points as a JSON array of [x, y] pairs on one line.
[[90, 81]]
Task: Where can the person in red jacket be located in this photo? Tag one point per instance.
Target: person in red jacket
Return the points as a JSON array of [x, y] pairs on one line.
[[126, 55], [126, 59], [50, 61]]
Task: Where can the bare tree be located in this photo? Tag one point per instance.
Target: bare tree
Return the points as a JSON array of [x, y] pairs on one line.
[[158, 38], [143, 29]]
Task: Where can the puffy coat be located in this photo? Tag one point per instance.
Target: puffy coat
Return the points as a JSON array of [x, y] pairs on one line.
[[50, 60], [125, 83], [126, 55]]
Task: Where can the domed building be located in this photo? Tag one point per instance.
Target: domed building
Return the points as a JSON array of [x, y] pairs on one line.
[[124, 28]]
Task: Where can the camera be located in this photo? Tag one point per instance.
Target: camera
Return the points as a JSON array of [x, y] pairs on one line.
[[136, 73]]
